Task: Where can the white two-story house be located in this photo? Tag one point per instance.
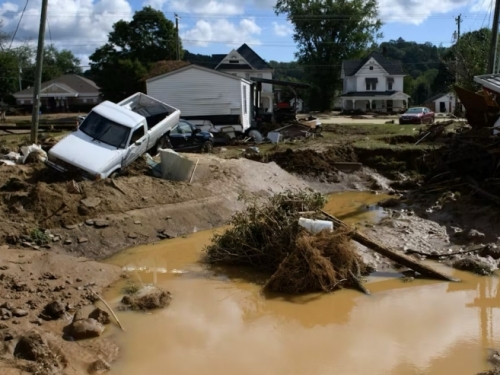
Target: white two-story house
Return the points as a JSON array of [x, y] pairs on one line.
[[374, 83], [244, 62]]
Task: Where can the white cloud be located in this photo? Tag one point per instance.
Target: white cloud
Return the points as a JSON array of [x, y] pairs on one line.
[[222, 31], [282, 29], [156, 4], [224, 7], [78, 25], [415, 12]]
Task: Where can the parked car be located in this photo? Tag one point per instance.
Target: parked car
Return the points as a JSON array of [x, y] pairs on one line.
[[187, 137], [417, 115], [113, 135]]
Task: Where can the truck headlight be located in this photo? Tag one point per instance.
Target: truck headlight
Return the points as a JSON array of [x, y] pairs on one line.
[[211, 135]]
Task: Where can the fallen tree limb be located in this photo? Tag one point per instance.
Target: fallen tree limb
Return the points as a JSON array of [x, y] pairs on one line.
[[359, 283], [392, 254], [438, 256]]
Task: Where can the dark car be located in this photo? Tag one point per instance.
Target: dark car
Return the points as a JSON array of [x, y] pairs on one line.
[[187, 137], [418, 115]]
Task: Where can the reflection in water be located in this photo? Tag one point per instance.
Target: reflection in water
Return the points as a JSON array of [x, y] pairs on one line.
[[219, 323]]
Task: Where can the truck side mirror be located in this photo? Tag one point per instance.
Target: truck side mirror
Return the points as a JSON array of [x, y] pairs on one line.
[[138, 143]]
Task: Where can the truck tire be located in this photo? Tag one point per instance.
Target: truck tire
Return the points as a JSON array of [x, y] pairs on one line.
[[256, 136], [115, 174], [207, 147]]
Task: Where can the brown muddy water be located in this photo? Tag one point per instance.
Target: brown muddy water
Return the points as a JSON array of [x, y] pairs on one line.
[[220, 322]]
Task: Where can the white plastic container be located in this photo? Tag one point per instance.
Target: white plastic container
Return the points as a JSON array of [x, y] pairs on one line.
[[316, 226]]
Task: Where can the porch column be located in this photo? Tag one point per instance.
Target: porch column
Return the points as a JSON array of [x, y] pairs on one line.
[[353, 104], [371, 103]]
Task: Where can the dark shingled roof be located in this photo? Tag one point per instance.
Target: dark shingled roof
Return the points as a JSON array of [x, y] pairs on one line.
[[369, 93], [247, 53], [351, 67], [435, 97]]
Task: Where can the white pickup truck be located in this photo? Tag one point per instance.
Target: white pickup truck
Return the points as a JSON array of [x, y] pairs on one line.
[[113, 135]]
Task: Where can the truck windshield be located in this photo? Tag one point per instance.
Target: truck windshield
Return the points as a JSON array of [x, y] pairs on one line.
[[104, 130]]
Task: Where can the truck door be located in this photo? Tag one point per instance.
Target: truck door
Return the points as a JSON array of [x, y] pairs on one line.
[[137, 146]]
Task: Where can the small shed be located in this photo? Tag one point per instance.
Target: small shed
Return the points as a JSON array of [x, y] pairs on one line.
[[205, 94], [441, 103]]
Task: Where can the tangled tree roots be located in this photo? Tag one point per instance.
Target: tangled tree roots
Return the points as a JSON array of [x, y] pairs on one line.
[[319, 263], [269, 238]]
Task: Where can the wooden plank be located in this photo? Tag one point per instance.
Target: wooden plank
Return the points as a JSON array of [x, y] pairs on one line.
[[392, 254]]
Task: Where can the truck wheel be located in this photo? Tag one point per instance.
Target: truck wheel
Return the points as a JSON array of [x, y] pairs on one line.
[[207, 147], [256, 136], [115, 174]]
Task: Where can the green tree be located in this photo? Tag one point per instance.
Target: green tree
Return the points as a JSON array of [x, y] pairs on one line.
[[58, 62], [468, 57], [132, 47], [328, 32]]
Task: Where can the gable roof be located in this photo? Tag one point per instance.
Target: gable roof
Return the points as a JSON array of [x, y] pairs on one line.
[[165, 66], [435, 97], [73, 82], [255, 61], [194, 66], [351, 67]]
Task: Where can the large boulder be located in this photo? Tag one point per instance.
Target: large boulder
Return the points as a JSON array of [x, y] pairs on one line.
[[148, 298], [32, 347]]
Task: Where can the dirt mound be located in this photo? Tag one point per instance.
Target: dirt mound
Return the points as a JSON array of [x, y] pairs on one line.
[[309, 162]]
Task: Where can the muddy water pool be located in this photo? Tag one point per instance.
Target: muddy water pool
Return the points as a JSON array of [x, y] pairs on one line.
[[220, 322]]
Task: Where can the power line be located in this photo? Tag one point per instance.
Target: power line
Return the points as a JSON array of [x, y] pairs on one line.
[[17, 27], [50, 33]]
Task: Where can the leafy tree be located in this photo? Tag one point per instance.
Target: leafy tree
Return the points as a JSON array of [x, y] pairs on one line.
[[328, 32], [468, 58], [132, 47], [9, 73], [58, 62]]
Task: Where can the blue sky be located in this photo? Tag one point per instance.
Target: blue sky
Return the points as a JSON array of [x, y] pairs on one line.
[[217, 26]]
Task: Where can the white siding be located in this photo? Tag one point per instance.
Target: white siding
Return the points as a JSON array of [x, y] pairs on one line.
[[247, 74], [245, 105], [198, 92], [351, 84]]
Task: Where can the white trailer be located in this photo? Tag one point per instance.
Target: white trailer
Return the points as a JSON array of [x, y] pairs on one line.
[[205, 94]]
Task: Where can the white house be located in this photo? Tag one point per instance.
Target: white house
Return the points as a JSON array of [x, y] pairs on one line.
[[442, 103], [374, 83], [244, 62], [207, 94]]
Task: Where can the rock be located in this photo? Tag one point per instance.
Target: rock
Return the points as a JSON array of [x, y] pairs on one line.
[[90, 202], [100, 315], [101, 223], [84, 329], [137, 222], [7, 336], [19, 313], [53, 311], [89, 222], [49, 276], [476, 265], [475, 236], [5, 314], [3, 326], [79, 315], [70, 226], [132, 235], [7, 305], [32, 347], [4, 268], [98, 367], [147, 298], [78, 280], [83, 240], [56, 239], [72, 187], [490, 250], [68, 242], [37, 322]]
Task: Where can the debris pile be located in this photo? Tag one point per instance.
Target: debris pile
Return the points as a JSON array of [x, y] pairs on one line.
[[268, 238]]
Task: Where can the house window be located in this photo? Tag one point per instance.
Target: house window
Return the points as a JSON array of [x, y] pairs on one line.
[[371, 84], [389, 86], [390, 83], [371, 67], [234, 61]]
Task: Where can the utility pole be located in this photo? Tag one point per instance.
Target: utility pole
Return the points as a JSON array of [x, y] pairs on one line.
[[38, 73], [494, 39], [177, 36], [458, 20]]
